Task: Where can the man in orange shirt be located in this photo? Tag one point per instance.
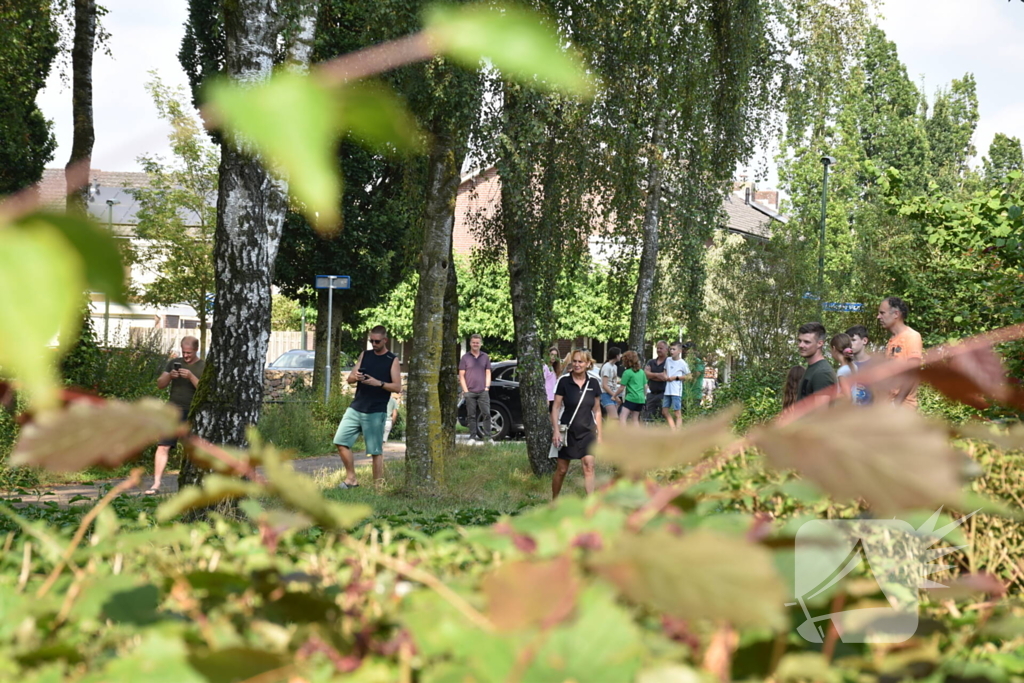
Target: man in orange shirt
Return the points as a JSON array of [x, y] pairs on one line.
[[904, 346]]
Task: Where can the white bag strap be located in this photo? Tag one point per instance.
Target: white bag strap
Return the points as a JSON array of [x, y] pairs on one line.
[[586, 385]]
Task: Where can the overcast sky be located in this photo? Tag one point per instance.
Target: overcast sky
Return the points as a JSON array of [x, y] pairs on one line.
[[937, 40]]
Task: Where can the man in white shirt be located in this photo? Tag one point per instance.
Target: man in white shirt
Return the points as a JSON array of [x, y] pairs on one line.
[[677, 372]]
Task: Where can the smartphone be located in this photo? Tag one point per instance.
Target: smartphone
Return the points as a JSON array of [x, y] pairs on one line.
[[176, 365]]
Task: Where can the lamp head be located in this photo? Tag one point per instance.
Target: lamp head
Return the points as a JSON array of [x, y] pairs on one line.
[[828, 161]]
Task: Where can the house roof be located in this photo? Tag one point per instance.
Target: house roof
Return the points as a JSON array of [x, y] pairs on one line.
[[749, 218], [108, 185]]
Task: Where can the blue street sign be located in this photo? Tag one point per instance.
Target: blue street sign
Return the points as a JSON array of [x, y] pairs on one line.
[[842, 308], [340, 282]]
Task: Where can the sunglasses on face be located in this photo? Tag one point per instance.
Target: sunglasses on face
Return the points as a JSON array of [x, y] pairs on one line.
[[376, 341]]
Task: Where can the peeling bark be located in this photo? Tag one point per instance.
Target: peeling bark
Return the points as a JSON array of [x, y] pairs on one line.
[[649, 252], [76, 172], [251, 206], [425, 440]]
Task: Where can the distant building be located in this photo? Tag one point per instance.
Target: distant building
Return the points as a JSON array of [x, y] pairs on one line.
[[111, 203]]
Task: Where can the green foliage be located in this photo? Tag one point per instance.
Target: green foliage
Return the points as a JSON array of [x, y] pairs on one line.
[[980, 237], [286, 313], [587, 303], [303, 422], [177, 211], [758, 389], [1004, 156], [27, 142]]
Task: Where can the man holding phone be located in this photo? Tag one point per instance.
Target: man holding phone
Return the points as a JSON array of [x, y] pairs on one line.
[[377, 374], [182, 374]]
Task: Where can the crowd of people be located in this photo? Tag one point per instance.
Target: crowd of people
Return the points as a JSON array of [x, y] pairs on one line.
[[581, 396], [819, 383]]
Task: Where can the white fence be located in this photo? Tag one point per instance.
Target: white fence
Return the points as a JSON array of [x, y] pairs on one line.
[[168, 338]]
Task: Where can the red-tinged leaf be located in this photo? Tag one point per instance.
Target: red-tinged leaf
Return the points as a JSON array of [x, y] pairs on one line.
[[967, 585], [86, 433], [524, 594], [972, 377], [892, 457], [637, 451]]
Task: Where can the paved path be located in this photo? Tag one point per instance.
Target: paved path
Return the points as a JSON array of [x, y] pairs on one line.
[[62, 495]]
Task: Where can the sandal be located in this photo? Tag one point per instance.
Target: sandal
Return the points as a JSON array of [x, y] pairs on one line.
[[151, 491], [345, 485]]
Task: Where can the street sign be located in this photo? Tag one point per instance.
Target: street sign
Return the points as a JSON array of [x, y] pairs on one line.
[[842, 308], [339, 282]]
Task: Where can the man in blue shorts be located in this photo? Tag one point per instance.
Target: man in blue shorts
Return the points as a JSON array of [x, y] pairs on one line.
[[377, 374]]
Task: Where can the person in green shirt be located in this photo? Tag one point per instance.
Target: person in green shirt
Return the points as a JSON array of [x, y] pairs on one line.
[[633, 383], [693, 388]]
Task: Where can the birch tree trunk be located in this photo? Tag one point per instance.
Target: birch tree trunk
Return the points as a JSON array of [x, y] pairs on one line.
[[425, 441], [76, 173], [649, 251], [251, 206]]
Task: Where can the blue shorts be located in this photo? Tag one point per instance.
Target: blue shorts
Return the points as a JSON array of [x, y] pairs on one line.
[[370, 425], [607, 400], [672, 402]]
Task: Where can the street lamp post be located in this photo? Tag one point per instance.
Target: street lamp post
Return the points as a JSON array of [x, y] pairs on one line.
[[825, 163], [106, 297], [330, 283]]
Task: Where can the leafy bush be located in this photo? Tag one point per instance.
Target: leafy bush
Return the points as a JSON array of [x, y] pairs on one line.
[[303, 422], [759, 389]]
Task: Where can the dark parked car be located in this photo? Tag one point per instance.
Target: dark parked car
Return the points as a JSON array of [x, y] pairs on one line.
[[296, 360], [506, 409]]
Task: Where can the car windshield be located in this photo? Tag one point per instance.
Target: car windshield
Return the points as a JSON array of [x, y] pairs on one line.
[[295, 361]]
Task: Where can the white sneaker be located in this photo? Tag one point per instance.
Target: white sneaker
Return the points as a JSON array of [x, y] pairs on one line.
[[472, 442]]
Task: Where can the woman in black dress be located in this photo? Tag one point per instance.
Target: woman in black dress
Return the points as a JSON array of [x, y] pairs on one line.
[[577, 397]]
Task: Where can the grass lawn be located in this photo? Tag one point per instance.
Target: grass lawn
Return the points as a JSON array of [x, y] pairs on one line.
[[478, 483]]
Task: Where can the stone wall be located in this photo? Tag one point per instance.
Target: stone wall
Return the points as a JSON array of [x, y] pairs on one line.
[[277, 384]]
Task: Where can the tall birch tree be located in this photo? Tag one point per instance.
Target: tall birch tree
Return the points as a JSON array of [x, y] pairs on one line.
[[251, 206]]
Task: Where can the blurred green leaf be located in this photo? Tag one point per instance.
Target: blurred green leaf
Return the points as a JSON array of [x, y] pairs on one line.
[[700, 575], [85, 434], [601, 645], [215, 488], [236, 664], [302, 494], [292, 120], [41, 286], [97, 247], [804, 666], [159, 658], [519, 42], [376, 116]]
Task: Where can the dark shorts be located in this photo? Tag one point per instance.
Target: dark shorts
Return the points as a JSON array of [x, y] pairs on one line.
[[635, 407], [173, 441]]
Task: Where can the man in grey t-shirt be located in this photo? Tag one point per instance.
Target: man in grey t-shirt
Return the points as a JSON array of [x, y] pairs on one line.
[[475, 378]]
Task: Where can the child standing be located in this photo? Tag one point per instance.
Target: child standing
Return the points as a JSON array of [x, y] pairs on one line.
[[678, 372], [633, 382]]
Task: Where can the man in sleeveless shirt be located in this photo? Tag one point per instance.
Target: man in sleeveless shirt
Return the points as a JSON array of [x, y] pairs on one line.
[[376, 375]]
